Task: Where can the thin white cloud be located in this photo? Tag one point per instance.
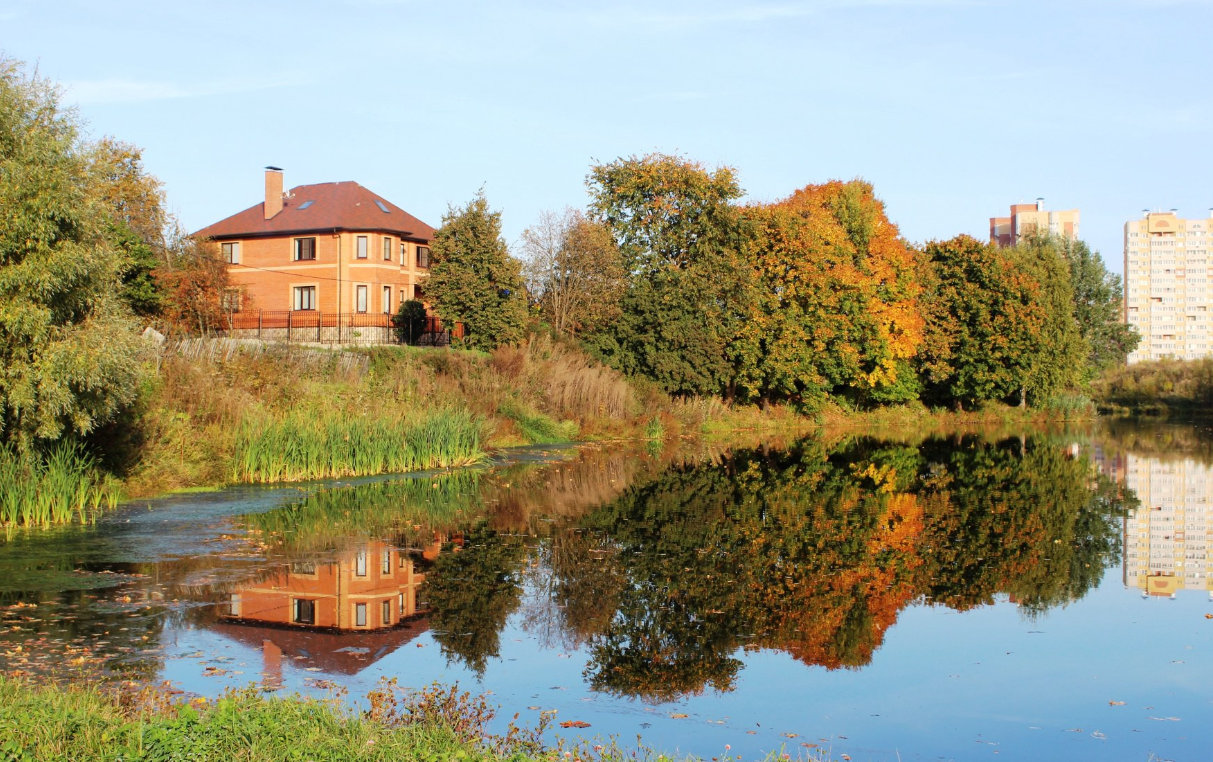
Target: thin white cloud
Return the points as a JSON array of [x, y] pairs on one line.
[[755, 13], [107, 91]]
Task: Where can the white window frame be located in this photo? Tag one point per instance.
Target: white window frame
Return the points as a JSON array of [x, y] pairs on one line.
[[297, 249], [361, 296], [301, 295], [231, 252], [387, 300], [361, 247]]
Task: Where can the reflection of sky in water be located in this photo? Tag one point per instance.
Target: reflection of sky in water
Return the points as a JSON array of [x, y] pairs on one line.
[[985, 683]]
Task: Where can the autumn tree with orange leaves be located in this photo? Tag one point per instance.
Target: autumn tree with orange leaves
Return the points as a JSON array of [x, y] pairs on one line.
[[835, 300]]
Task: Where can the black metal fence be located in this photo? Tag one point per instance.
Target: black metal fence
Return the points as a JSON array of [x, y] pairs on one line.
[[359, 328]]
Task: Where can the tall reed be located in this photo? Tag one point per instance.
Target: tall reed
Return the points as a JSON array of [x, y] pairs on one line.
[[303, 445], [58, 487]]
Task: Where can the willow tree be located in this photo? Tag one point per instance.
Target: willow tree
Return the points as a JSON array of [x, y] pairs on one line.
[[68, 344]]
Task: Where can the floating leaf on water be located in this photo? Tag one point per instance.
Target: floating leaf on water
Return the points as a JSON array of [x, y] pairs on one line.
[[574, 724], [678, 716]]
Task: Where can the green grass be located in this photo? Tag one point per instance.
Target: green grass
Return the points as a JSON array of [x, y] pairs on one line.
[[536, 427], [434, 724], [302, 445], [59, 487]]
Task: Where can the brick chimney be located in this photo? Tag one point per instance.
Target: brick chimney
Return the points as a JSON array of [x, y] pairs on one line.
[[273, 191]]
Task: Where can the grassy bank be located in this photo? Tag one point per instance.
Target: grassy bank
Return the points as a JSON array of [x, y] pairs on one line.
[[1157, 388], [82, 724]]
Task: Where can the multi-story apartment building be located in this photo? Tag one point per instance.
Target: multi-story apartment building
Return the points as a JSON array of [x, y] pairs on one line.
[[323, 248], [1026, 218], [1168, 539], [1167, 286]]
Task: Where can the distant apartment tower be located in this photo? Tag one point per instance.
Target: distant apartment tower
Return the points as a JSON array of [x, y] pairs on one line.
[[1025, 218], [1167, 296]]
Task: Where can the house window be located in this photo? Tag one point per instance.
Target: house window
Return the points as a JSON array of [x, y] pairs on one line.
[[231, 252], [423, 256], [400, 603], [362, 244], [387, 562], [387, 613], [387, 299], [387, 249], [360, 298], [305, 298], [305, 248], [418, 294], [360, 564], [232, 299], [404, 250], [305, 611], [233, 604], [303, 567], [360, 614]]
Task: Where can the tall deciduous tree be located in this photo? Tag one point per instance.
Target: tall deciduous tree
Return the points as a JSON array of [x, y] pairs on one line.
[[68, 346], [474, 280], [133, 203], [676, 226], [574, 271], [835, 307], [987, 320], [1098, 305], [1058, 353]]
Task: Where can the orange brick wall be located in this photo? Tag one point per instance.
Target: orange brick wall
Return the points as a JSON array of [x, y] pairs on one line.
[[267, 273]]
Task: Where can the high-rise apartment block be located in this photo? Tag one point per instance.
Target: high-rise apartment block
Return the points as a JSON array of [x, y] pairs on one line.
[[1025, 218], [1167, 297]]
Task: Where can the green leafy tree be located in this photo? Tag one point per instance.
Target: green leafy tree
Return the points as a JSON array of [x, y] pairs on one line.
[[677, 229], [1098, 308], [1056, 351], [474, 280], [133, 203], [69, 351], [987, 319]]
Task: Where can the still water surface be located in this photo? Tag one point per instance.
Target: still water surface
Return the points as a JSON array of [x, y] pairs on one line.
[[1041, 595]]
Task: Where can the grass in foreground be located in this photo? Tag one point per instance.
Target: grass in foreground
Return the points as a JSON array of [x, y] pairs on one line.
[[436, 723]]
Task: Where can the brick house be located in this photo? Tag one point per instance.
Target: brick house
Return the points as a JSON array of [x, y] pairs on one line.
[[324, 248]]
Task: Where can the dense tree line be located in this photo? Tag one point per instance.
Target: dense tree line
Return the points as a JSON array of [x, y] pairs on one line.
[[817, 296]]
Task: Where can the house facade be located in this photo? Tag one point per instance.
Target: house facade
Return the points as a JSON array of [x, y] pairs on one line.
[[328, 248]]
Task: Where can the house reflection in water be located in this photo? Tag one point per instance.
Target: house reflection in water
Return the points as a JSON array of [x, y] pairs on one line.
[[340, 616]]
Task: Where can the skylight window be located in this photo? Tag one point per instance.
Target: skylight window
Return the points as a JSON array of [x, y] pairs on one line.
[[382, 208], [305, 205]]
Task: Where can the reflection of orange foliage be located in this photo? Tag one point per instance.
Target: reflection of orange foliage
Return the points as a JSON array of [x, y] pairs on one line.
[[835, 613], [901, 525]]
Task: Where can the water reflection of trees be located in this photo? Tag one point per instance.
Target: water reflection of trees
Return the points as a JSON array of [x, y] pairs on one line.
[[806, 550]]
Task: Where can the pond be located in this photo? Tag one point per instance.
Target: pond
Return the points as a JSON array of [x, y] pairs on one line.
[[1024, 595]]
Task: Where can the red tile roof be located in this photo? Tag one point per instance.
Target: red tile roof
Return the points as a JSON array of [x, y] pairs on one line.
[[335, 206]]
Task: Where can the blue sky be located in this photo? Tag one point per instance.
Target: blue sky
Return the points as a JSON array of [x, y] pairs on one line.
[[953, 109]]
